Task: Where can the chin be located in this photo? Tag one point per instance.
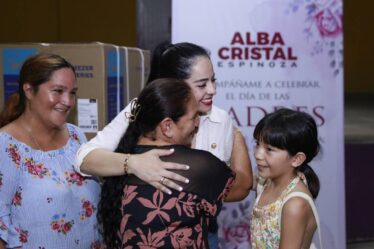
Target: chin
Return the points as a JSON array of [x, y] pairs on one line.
[[204, 110], [60, 123]]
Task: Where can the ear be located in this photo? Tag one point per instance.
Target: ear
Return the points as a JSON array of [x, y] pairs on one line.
[[298, 159], [27, 88], [166, 126]]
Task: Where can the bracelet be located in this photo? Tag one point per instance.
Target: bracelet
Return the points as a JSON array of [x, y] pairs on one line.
[[126, 164]]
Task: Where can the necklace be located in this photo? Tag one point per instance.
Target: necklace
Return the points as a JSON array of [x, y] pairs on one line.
[[29, 132]]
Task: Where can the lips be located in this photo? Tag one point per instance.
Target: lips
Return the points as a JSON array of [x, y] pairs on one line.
[[63, 110], [207, 102], [261, 167]]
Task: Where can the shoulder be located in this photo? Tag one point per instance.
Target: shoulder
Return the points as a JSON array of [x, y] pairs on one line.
[[193, 152], [296, 207], [8, 136], [12, 129], [199, 156], [76, 133], [4, 138], [73, 128]]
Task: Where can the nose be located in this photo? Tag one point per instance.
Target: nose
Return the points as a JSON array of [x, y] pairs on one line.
[[68, 99], [258, 152], [211, 88]]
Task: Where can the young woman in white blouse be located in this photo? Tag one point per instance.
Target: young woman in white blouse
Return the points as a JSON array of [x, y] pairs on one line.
[[216, 133]]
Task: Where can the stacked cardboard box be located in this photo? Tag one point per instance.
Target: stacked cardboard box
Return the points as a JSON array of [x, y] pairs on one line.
[[108, 76]]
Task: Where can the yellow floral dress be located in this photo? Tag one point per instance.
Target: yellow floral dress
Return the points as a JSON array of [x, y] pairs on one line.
[[265, 223]]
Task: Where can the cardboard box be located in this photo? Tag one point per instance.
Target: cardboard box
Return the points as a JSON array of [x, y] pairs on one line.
[[137, 69], [108, 76], [12, 57], [99, 71]]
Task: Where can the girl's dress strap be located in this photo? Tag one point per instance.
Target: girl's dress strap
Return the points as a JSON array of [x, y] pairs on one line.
[[312, 205]]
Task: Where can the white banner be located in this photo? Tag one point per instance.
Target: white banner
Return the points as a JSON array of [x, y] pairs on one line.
[[272, 53]]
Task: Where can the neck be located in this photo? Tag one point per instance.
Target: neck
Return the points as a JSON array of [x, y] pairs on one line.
[[148, 141], [282, 182], [42, 137]]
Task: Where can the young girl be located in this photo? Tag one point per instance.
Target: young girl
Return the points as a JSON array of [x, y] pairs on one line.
[[283, 215]]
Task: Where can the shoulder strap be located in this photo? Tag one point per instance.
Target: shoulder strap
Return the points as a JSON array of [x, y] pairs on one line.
[[312, 205]]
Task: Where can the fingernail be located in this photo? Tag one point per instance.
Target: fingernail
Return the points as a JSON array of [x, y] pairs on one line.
[[187, 167], [169, 192], [187, 181], [172, 149], [180, 188]]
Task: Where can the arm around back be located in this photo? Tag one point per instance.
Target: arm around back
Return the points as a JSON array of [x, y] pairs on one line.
[[241, 165], [94, 157]]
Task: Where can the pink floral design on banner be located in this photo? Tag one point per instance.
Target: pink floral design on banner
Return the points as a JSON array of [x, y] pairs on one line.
[[12, 150], [37, 170], [239, 233], [323, 29], [328, 24], [60, 225]]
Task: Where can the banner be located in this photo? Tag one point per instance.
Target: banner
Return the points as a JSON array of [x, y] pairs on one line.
[[269, 54]]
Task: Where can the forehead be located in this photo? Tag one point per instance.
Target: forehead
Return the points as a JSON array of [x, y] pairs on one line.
[[201, 67], [64, 77]]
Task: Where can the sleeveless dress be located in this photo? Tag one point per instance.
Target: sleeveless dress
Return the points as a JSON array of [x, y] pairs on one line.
[[265, 223]]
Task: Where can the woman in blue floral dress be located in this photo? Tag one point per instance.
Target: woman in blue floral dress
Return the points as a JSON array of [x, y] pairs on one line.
[[44, 202]]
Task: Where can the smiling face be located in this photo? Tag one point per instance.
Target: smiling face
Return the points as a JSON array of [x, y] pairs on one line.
[[273, 162], [203, 83], [54, 99]]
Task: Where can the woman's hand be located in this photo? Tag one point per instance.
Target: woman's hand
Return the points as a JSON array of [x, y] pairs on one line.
[[149, 168]]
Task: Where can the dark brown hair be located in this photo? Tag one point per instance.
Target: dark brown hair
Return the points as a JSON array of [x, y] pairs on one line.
[[293, 131], [36, 70], [159, 99]]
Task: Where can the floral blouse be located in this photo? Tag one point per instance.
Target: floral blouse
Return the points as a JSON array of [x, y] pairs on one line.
[[44, 203], [265, 223], [152, 219]]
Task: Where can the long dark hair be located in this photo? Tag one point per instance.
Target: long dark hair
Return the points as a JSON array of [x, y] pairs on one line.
[[160, 99], [35, 71], [175, 60], [294, 132]]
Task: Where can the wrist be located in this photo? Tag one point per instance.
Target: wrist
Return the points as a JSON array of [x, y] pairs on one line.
[[125, 164], [129, 159]]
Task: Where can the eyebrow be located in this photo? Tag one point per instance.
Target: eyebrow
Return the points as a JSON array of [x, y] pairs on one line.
[[204, 79], [64, 87], [201, 80]]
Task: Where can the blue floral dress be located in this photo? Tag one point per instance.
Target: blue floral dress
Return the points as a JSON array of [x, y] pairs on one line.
[[44, 203]]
